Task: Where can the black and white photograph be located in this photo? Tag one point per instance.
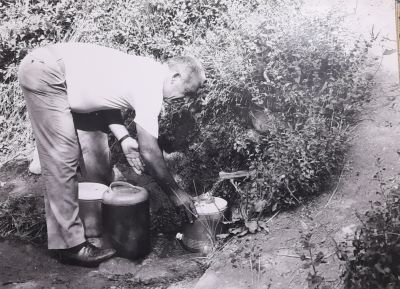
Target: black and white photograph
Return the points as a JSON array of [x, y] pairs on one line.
[[199, 144]]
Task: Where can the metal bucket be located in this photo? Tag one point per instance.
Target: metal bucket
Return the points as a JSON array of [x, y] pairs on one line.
[[90, 196], [126, 219], [200, 236]]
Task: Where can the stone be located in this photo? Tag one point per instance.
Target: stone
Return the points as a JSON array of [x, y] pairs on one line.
[[25, 285], [94, 273], [169, 269], [119, 266], [345, 232], [207, 281], [227, 280], [185, 284], [349, 230]]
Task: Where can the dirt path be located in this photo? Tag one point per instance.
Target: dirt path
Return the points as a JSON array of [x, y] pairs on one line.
[[332, 216]]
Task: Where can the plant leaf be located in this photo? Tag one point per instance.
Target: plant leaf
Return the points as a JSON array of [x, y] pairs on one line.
[[260, 205], [252, 226], [235, 231], [263, 225], [244, 232], [222, 236]]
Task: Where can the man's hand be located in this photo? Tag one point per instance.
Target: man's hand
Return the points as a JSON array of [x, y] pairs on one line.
[[183, 200], [130, 147], [156, 166]]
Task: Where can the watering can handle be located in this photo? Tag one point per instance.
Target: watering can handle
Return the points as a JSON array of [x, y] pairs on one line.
[[121, 183], [129, 195]]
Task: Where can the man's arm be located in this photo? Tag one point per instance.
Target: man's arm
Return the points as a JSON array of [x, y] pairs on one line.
[[155, 163], [113, 118], [129, 145]]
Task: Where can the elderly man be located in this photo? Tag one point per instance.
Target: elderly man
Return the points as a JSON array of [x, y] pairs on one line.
[[63, 81]]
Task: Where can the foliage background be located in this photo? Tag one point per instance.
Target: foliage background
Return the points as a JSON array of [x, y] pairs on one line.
[[283, 88]]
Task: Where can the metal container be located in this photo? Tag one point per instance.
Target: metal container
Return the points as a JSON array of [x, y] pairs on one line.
[[126, 219], [90, 196], [200, 236]]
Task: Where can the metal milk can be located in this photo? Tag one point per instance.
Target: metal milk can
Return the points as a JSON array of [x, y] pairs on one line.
[[90, 196], [126, 219]]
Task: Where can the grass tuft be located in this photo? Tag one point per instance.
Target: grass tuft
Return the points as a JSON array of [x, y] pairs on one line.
[[22, 218]]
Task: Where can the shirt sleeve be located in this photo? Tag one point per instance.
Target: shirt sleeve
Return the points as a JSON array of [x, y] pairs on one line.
[[147, 110], [149, 96]]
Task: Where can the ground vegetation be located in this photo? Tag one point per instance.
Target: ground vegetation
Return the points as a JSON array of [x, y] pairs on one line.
[[283, 91], [372, 256]]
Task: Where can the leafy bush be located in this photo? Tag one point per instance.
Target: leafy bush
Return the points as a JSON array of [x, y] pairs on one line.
[[283, 88], [25, 25], [311, 260], [156, 28], [375, 260]]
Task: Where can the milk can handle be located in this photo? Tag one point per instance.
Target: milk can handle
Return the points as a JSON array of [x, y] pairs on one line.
[[121, 183]]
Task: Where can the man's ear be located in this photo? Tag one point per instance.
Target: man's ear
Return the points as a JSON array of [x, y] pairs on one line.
[[176, 76]]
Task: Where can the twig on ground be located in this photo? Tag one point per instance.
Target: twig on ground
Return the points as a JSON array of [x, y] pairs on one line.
[[379, 66], [270, 219], [293, 256], [13, 282], [359, 122], [199, 146], [291, 280], [291, 193], [330, 255], [233, 175], [241, 193]]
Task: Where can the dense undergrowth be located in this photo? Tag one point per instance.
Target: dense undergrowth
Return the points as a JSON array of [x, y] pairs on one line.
[[372, 262], [283, 88], [372, 257]]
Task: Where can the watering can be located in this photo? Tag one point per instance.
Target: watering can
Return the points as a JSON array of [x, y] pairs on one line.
[[200, 236]]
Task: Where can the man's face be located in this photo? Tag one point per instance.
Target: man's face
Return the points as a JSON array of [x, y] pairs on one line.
[[176, 88]]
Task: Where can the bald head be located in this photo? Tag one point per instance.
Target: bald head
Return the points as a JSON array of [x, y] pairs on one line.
[[186, 76], [188, 67]]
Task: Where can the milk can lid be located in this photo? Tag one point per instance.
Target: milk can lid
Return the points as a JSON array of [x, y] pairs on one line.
[[212, 205], [124, 194], [91, 191]]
